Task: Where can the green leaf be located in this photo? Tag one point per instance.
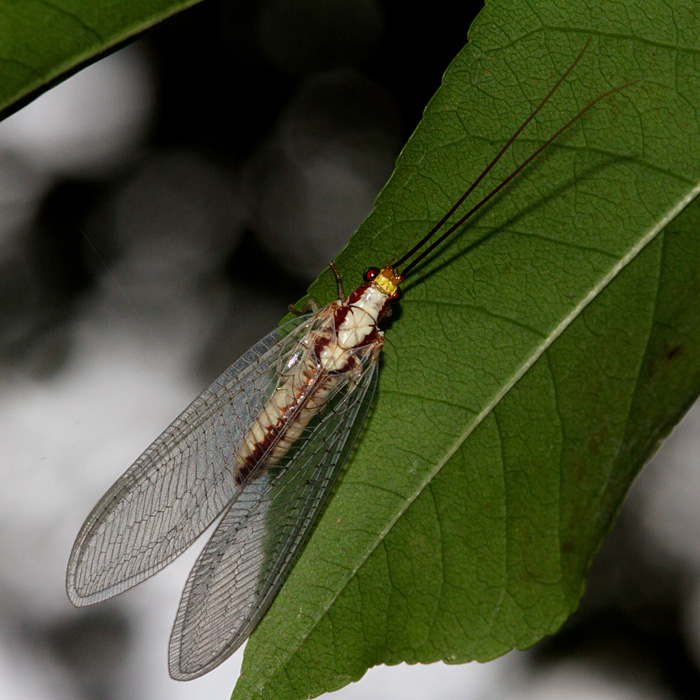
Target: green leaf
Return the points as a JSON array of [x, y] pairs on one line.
[[528, 377], [42, 42]]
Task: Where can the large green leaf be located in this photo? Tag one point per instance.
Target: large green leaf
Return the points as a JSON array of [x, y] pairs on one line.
[[527, 380], [42, 42]]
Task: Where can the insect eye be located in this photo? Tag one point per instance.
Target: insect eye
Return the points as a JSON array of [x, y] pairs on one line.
[[370, 273], [396, 296]]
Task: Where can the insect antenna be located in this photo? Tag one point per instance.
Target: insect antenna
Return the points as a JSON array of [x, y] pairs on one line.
[[403, 273]]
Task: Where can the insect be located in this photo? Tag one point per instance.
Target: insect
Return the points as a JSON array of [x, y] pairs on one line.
[[260, 448]]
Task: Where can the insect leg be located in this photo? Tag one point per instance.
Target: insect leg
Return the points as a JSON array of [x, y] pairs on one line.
[[309, 305], [341, 291]]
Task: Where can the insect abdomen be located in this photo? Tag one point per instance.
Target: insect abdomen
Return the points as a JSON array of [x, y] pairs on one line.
[[282, 421]]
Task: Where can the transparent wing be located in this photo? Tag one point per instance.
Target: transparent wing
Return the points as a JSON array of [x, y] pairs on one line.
[[243, 565], [182, 482]]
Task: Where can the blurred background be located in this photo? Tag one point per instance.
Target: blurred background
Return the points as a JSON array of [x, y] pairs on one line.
[[140, 203]]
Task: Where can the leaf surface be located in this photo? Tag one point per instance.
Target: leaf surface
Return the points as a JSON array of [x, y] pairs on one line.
[[43, 42], [537, 361]]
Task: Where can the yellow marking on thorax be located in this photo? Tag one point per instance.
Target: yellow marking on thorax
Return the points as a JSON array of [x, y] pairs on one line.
[[388, 281]]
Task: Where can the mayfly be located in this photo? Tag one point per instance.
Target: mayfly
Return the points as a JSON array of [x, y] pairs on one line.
[[260, 448]]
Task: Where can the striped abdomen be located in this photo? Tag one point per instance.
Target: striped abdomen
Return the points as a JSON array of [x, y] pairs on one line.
[[295, 401]]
